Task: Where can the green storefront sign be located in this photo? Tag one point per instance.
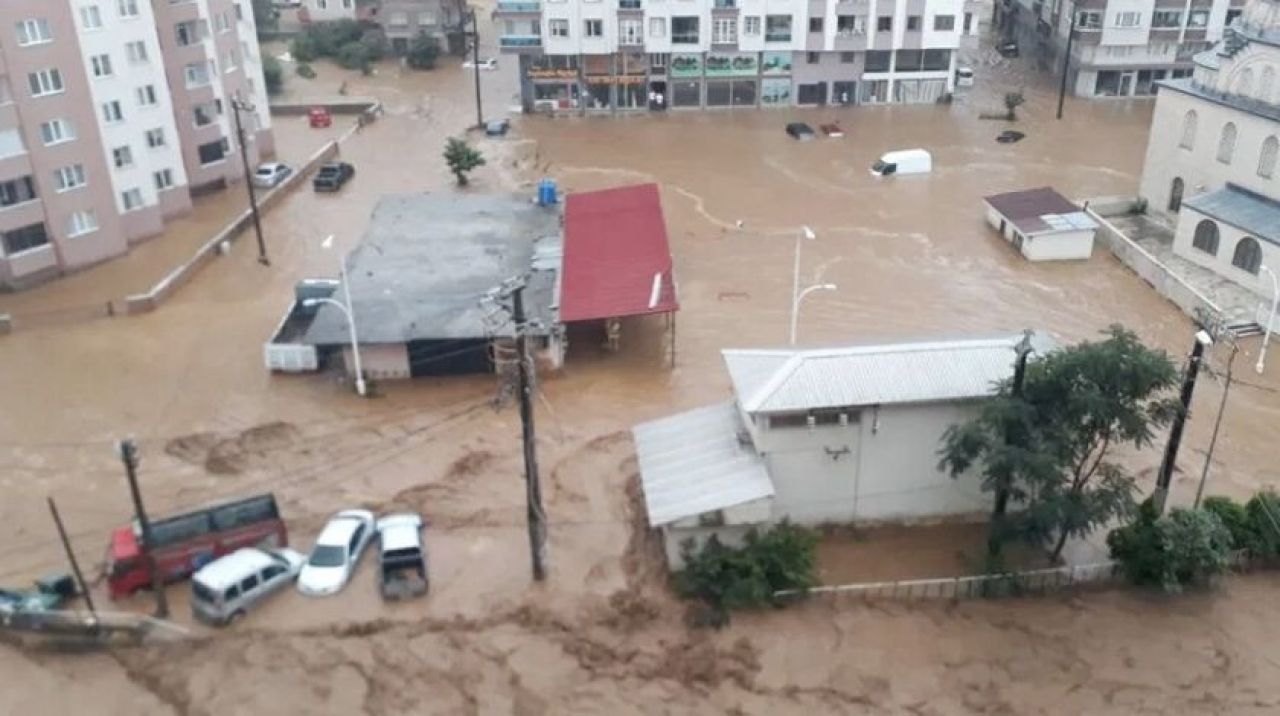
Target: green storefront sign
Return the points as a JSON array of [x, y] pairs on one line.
[[731, 65], [686, 65], [776, 63]]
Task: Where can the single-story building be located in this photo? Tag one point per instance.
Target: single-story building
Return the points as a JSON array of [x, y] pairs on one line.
[[1233, 232], [838, 435], [1042, 224]]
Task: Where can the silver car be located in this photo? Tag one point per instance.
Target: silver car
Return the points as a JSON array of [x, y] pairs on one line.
[[223, 590], [271, 174]]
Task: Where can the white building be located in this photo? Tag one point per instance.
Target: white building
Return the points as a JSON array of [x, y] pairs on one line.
[[326, 10], [580, 55], [822, 436], [1211, 158], [1042, 224]]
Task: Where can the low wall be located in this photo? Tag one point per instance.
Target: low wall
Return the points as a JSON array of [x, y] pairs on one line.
[[335, 105], [1112, 205], [1036, 581]]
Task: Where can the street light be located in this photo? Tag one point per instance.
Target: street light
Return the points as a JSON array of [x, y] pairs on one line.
[[795, 309], [796, 294], [349, 312], [1271, 319]]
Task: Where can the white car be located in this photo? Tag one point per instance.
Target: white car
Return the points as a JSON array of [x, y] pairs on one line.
[[486, 63], [271, 174], [336, 553]]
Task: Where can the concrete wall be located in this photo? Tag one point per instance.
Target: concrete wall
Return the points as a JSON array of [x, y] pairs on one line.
[[1062, 246], [1220, 263], [378, 361]]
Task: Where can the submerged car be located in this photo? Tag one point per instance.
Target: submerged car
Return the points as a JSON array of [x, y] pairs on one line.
[[402, 560], [1008, 49], [332, 176], [223, 590], [271, 174], [336, 553], [800, 131]]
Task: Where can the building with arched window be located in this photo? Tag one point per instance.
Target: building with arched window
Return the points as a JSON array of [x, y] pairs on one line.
[[1211, 162]]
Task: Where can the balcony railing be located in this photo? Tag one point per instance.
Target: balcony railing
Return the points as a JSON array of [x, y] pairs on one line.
[[628, 4], [777, 36], [520, 41], [519, 6], [684, 38], [726, 4]]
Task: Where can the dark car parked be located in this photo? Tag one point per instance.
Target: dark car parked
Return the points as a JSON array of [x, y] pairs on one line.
[[332, 176], [1008, 49], [800, 131]]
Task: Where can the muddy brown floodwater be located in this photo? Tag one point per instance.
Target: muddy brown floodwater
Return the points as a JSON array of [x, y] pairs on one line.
[[911, 257]]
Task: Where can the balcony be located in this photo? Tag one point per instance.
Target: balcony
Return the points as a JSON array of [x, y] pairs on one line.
[[516, 42], [725, 5], [684, 38], [628, 4], [777, 36], [516, 7]]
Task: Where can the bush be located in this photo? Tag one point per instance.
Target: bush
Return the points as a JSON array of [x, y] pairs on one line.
[[1264, 522], [305, 71], [304, 48], [375, 44], [272, 74], [1235, 518], [1185, 547], [354, 56], [423, 53], [727, 578]]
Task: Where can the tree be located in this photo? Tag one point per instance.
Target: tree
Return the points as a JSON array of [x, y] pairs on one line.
[[272, 74], [264, 15], [1049, 448], [423, 53], [461, 158], [1012, 100], [748, 577]]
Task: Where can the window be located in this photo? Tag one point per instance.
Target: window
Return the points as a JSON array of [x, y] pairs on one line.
[[203, 114], [155, 137], [777, 28], [147, 96], [221, 22], [558, 28], [878, 60], [68, 178], [593, 28], [190, 32], [426, 19], [1198, 18], [398, 19], [90, 17], [1188, 140], [1128, 19], [1248, 255], [657, 27], [127, 8], [913, 23], [45, 82], [136, 51], [1227, 143], [936, 60], [82, 222], [33, 32], [1266, 84], [1232, 14], [213, 151], [850, 25], [684, 30], [230, 62], [56, 131], [122, 157], [944, 23], [1089, 20], [1206, 237], [1166, 18], [111, 111], [813, 58], [724, 30], [630, 32], [909, 61], [101, 65], [11, 144], [848, 58], [815, 24], [884, 23], [25, 239], [248, 584], [131, 199], [164, 179], [1175, 194], [197, 74], [1267, 159], [17, 191], [751, 26]]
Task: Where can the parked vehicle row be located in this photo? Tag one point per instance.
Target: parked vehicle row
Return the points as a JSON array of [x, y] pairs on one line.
[[329, 177]]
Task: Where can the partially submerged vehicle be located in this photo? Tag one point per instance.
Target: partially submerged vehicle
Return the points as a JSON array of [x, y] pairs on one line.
[[906, 161], [402, 560]]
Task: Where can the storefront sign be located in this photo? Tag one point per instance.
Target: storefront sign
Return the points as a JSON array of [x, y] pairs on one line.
[[776, 63], [535, 74], [686, 65], [621, 80], [728, 65]]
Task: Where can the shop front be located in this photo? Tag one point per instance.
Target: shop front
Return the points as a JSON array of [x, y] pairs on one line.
[[732, 80], [685, 85], [555, 83], [775, 79], [597, 78]]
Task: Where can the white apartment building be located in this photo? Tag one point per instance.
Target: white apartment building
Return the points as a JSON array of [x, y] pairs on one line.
[[326, 10], [1121, 47], [620, 55], [112, 112], [1211, 163]]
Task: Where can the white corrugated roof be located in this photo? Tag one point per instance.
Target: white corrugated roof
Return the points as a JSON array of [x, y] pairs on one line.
[[774, 381], [693, 463]]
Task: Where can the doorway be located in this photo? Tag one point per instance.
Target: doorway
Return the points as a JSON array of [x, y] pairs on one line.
[[1126, 84], [1175, 195]]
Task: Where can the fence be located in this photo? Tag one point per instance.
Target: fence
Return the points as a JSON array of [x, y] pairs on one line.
[[1005, 584]]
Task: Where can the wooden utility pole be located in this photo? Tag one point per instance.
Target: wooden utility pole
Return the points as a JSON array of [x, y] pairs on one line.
[[238, 106], [1165, 477], [1066, 61], [537, 518], [995, 538], [129, 456], [71, 557], [475, 65]]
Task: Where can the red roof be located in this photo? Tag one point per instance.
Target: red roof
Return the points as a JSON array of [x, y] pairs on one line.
[[615, 244]]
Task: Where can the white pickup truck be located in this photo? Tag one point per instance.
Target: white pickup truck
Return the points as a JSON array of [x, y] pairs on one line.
[[284, 352], [402, 560]]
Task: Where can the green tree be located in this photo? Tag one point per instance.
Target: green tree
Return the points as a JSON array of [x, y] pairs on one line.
[[272, 74], [1049, 448], [462, 159], [1012, 101], [1182, 548], [423, 53], [747, 577], [355, 56], [264, 15]]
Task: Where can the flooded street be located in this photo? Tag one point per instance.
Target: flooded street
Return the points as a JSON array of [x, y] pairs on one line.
[[911, 257]]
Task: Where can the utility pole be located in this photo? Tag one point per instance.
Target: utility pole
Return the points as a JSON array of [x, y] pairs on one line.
[[537, 518], [1217, 423], [129, 456], [1165, 476], [237, 106], [1066, 61], [71, 557], [475, 65], [994, 541]]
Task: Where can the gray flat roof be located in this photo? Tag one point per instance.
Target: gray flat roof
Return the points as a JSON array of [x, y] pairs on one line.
[[1040, 211], [1252, 213], [427, 260]]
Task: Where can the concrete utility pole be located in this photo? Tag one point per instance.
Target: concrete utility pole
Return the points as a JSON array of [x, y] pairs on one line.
[[129, 456], [1066, 61], [1023, 350], [475, 65], [71, 557], [237, 106], [1271, 319], [1165, 476], [1217, 423], [537, 518]]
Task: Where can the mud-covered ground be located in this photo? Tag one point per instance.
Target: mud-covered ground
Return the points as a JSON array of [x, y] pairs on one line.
[[911, 257]]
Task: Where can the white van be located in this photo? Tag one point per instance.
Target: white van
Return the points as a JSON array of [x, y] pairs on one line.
[[907, 161], [226, 588], [964, 77]]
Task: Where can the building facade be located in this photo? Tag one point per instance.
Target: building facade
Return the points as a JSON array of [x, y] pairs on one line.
[[1121, 47], [1211, 159], [638, 55], [111, 113], [404, 20]]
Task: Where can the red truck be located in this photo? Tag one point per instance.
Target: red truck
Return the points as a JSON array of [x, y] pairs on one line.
[[184, 543]]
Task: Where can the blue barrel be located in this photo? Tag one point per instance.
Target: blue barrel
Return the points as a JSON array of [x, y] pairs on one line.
[[547, 192]]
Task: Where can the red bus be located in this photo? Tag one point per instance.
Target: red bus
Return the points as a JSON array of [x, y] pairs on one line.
[[185, 543]]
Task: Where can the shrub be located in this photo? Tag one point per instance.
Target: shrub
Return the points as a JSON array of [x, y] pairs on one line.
[[304, 48], [375, 44], [354, 56], [1185, 547], [305, 71], [1264, 522], [1235, 518], [461, 158], [423, 53], [272, 74], [747, 577]]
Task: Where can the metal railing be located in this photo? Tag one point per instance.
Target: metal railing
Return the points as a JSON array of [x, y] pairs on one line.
[[684, 38], [1036, 581], [777, 37], [726, 4], [520, 41], [519, 6], [628, 4]]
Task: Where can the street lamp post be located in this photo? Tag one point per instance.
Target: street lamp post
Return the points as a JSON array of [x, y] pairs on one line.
[[795, 307], [796, 294], [1271, 319], [350, 314]]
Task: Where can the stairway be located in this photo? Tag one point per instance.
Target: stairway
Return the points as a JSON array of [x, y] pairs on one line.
[[1244, 329]]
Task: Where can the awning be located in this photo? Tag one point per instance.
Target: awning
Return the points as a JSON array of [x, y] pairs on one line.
[[616, 258], [694, 462]]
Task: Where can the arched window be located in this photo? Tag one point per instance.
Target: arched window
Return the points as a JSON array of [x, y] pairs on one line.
[[1266, 84], [1248, 255], [1267, 159], [1227, 143], [1244, 85], [1206, 238], [1175, 195], [1188, 140]]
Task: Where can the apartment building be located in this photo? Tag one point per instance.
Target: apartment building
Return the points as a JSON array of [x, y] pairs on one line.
[[637, 55], [112, 112], [404, 20], [1121, 47]]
